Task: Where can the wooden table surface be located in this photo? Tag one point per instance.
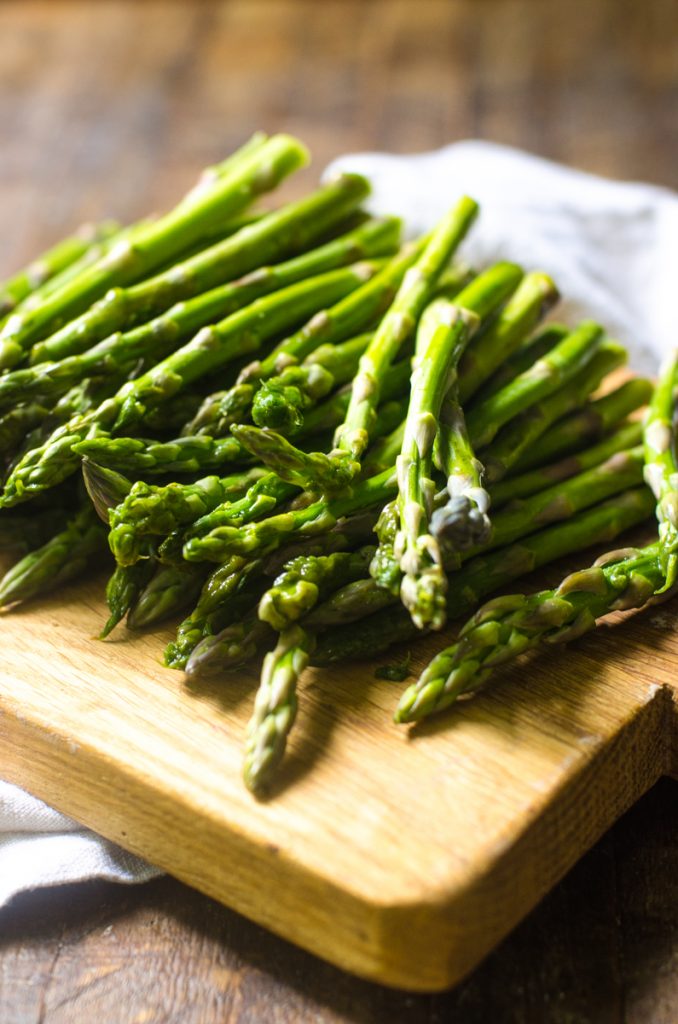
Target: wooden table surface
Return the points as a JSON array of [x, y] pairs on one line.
[[109, 108]]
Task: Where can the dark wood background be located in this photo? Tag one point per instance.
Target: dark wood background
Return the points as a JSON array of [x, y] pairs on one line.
[[110, 108]]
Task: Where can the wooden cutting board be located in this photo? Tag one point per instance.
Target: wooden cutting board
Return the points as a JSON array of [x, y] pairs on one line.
[[401, 856]]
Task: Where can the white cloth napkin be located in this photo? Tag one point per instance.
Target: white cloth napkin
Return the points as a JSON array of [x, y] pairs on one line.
[[612, 248]]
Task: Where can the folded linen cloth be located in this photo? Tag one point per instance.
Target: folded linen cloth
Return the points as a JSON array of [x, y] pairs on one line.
[[612, 248]]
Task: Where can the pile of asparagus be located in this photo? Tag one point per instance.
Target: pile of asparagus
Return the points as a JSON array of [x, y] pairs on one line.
[[319, 441]]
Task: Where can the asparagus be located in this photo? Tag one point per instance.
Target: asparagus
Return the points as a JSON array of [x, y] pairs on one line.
[[169, 590], [51, 263], [308, 579], [266, 493], [532, 299], [16, 423], [587, 424], [105, 487], [510, 625], [242, 332], [149, 509], [60, 559], [661, 470], [280, 402], [337, 323], [145, 456], [269, 534], [231, 647], [275, 706], [123, 588], [161, 335], [424, 582], [332, 472], [541, 380], [481, 576], [520, 435], [217, 196], [535, 480], [279, 234], [212, 347], [230, 591], [352, 437], [530, 351], [22, 533]]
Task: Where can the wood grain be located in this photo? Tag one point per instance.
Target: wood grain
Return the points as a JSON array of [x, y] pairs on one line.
[[108, 108]]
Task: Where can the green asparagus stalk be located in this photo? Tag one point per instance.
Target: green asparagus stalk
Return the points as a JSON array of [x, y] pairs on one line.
[[352, 437], [123, 588], [151, 510], [169, 590], [519, 436], [535, 384], [487, 573], [144, 456], [275, 706], [265, 494], [532, 299], [60, 559], [105, 487], [508, 626], [337, 323], [255, 539], [230, 648], [16, 423], [292, 229], [585, 425], [212, 348], [424, 582], [536, 347], [281, 401], [219, 196], [627, 436], [242, 332], [661, 469], [161, 335], [51, 263], [308, 579]]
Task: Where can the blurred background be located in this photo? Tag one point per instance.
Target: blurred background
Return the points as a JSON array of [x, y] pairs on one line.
[[110, 107]]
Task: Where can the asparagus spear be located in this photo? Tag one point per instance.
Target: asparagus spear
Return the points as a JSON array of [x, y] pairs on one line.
[[292, 229], [533, 297], [424, 582], [230, 591], [519, 436], [219, 196], [269, 534], [149, 509], [510, 625], [587, 424], [161, 335], [231, 647], [308, 579], [529, 352], [240, 333], [123, 588], [337, 323], [275, 706], [211, 348], [145, 456], [280, 402], [105, 487], [661, 470], [51, 263], [331, 472], [265, 494], [168, 591], [535, 480], [352, 437], [540, 381], [483, 575], [60, 559]]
